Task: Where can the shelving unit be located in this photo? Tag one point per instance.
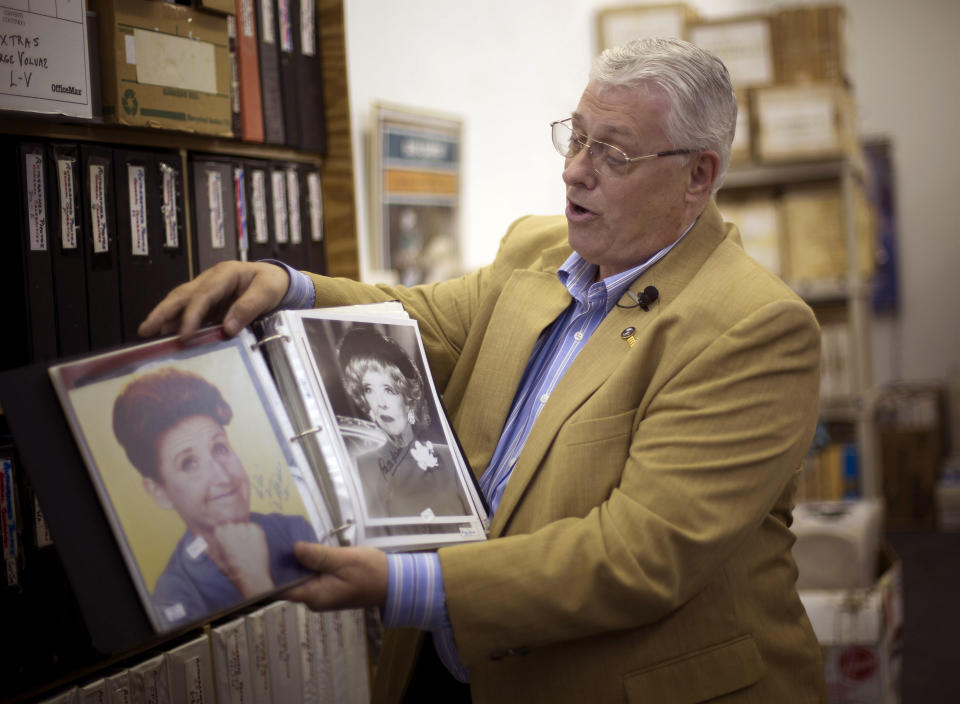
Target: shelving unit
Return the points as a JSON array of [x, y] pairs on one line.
[[847, 299], [342, 259], [336, 167]]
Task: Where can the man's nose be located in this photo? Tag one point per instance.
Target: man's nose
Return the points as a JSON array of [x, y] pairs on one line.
[[578, 169]]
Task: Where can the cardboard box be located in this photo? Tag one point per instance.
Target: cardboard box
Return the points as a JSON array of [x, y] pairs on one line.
[[860, 633], [744, 45], [741, 151], [814, 226], [165, 66], [810, 44], [756, 213], [618, 25], [912, 431], [809, 122]]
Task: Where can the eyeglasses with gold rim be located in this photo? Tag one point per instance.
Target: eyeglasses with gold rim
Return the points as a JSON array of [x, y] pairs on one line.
[[606, 159]]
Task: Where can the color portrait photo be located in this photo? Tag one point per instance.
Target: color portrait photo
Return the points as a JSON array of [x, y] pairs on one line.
[[205, 500]]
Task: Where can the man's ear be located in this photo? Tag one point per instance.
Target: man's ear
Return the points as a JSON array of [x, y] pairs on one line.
[[703, 172], [157, 493]]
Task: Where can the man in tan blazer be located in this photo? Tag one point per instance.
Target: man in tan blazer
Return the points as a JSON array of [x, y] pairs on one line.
[[640, 546]]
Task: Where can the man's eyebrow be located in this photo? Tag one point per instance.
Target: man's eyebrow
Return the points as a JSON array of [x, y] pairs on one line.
[[609, 131]]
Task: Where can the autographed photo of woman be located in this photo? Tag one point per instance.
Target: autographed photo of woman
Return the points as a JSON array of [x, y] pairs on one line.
[[388, 416], [208, 499]]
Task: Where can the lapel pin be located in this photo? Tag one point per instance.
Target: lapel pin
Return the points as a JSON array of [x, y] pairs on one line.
[[627, 334]]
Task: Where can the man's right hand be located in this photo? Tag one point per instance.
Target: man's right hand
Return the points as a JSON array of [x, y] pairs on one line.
[[239, 291]]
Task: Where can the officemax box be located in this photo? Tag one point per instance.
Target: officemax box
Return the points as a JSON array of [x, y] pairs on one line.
[[165, 66]]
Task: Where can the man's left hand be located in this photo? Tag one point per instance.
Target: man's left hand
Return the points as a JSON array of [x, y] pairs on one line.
[[346, 578]]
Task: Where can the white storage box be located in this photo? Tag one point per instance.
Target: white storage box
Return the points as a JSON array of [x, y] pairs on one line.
[[860, 633], [837, 543]]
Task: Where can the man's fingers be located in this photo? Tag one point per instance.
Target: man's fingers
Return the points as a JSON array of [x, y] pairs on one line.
[[345, 577], [259, 292], [316, 557], [245, 291]]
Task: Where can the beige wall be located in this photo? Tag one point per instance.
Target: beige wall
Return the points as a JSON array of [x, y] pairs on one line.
[[508, 67]]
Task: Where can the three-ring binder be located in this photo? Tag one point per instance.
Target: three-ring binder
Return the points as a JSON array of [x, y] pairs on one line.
[[269, 338], [308, 431]]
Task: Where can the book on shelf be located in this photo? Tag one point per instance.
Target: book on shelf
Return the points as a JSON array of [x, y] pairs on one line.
[[209, 459]]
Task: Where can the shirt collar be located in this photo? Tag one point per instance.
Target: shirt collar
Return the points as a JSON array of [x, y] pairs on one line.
[[578, 275]]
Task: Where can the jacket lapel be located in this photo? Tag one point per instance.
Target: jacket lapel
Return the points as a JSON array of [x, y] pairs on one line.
[[531, 299], [605, 350]]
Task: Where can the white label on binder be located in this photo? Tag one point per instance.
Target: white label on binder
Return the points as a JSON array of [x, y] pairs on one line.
[[259, 657], [36, 203], [267, 31], [286, 26], [98, 209], [235, 666], [193, 677], [41, 530], [137, 187], [293, 205], [280, 225], [218, 238], [308, 28], [168, 208], [68, 201], [240, 198], [8, 521], [315, 200], [258, 187], [247, 19]]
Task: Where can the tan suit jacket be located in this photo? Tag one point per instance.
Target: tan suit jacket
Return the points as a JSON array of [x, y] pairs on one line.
[[641, 551]]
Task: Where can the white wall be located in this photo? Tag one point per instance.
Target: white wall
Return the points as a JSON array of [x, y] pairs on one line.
[[509, 67]]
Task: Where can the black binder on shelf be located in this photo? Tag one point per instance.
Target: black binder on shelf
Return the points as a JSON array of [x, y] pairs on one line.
[[100, 248], [213, 210], [293, 249], [99, 578], [26, 268], [260, 237], [311, 198], [279, 212], [288, 39], [67, 247], [153, 255], [45, 636], [269, 56], [309, 102]]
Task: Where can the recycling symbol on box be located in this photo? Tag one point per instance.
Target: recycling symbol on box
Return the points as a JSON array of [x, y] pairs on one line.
[[130, 102]]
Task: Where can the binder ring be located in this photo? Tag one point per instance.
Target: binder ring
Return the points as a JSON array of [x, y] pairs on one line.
[[305, 433], [339, 529], [270, 338]]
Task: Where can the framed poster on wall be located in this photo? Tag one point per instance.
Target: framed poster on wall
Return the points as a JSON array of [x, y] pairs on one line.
[[415, 194]]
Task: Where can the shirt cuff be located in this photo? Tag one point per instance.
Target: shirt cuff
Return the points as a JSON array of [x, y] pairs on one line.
[[300, 293], [415, 593]]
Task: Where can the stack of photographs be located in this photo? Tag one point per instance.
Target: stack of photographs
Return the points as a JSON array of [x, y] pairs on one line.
[[213, 457]]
